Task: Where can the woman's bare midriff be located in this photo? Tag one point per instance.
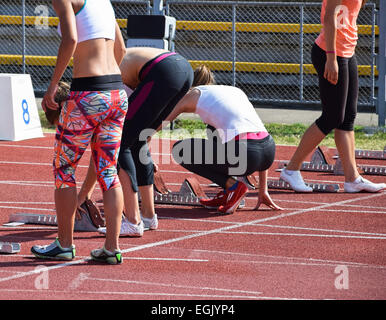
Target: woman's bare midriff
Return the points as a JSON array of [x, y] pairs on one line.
[[94, 58]]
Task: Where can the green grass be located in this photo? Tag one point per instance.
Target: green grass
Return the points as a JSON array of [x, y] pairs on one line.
[[284, 134]]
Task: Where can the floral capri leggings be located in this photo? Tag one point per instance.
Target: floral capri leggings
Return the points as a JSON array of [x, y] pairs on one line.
[[90, 116]]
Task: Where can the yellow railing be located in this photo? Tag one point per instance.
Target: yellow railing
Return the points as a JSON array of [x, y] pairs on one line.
[[284, 68], [259, 67], [199, 25]]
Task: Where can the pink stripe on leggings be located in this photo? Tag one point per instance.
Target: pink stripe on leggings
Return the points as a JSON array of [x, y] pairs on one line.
[[139, 99], [155, 61]]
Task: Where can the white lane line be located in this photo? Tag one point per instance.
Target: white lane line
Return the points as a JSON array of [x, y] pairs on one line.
[[155, 294], [301, 259], [284, 234], [196, 235], [171, 285], [321, 229], [27, 202], [26, 208]]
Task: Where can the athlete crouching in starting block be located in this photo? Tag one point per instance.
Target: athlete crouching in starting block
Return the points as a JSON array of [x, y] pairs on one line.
[[238, 144]]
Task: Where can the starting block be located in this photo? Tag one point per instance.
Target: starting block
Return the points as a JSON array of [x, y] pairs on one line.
[[321, 161], [280, 184], [370, 154], [89, 221], [317, 187], [189, 193], [9, 247], [33, 218]]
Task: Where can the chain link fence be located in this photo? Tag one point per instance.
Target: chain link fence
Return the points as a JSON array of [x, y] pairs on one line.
[[30, 45], [261, 47], [264, 48]]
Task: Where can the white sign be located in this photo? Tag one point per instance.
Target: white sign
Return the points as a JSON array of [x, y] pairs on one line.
[[19, 117]]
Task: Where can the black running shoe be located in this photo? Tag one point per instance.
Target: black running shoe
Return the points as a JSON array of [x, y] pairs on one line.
[[54, 251]]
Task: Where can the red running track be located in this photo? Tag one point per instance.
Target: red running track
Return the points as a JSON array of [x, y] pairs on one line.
[[322, 246]]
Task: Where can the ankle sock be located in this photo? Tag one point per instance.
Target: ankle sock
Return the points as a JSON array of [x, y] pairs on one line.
[[234, 186]]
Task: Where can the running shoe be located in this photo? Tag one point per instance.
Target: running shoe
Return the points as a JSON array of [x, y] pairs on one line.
[[150, 223], [234, 196], [103, 255], [128, 229], [54, 251], [218, 200], [295, 180], [362, 184]]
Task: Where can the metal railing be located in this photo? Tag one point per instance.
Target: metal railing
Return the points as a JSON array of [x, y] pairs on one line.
[[261, 47], [264, 47]]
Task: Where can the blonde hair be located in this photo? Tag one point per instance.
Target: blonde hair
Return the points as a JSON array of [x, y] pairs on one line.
[[61, 95], [203, 76]]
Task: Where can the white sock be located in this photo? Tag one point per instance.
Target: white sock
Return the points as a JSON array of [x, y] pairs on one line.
[[290, 172]]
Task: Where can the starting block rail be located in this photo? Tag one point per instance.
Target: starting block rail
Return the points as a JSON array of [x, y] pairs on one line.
[[321, 161], [317, 187], [189, 194], [34, 218], [9, 247], [369, 154]]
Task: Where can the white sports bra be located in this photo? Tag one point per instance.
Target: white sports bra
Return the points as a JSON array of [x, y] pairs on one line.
[[228, 110], [96, 19]]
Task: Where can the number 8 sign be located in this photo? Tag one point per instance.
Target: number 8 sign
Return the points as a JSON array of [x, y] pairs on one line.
[[26, 116]]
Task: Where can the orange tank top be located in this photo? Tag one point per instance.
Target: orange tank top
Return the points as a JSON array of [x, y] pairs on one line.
[[346, 25]]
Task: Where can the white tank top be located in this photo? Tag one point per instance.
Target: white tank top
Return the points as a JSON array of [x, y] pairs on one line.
[[229, 110], [96, 19]]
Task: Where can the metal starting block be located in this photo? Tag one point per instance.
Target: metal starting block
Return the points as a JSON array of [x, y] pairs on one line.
[[9, 247], [33, 218], [369, 154], [189, 193], [321, 161], [317, 187], [16, 219]]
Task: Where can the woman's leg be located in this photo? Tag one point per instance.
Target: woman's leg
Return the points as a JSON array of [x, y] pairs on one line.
[[310, 140], [345, 143], [333, 99], [105, 147], [344, 134]]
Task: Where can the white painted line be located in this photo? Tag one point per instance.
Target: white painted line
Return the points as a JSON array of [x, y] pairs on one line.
[[282, 234], [26, 208], [196, 235], [253, 255], [171, 285], [320, 229], [153, 294]]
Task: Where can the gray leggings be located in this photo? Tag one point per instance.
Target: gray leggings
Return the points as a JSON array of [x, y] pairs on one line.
[[217, 162]]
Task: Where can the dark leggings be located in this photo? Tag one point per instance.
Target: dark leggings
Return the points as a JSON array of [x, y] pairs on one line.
[[163, 83], [339, 102], [217, 162]]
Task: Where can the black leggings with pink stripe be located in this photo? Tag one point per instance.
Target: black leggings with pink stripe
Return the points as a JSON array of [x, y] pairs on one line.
[[164, 81]]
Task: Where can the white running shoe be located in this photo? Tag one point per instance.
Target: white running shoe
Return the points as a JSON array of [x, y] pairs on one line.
[[128, 229], [295, 180], [150, 223], [362, 184]]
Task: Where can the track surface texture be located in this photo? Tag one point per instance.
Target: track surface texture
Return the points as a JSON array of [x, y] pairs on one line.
[[321, 246]]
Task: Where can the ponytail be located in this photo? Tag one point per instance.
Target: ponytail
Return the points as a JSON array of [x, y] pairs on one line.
[[203, 76]]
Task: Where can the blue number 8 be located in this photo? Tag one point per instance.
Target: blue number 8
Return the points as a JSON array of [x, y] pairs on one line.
[[26, 116]]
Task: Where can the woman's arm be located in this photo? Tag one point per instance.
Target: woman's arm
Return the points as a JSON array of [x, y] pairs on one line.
[[186, 104], [119, 45], [89, 184], [66, 49], [264, 197], [330, 25]]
